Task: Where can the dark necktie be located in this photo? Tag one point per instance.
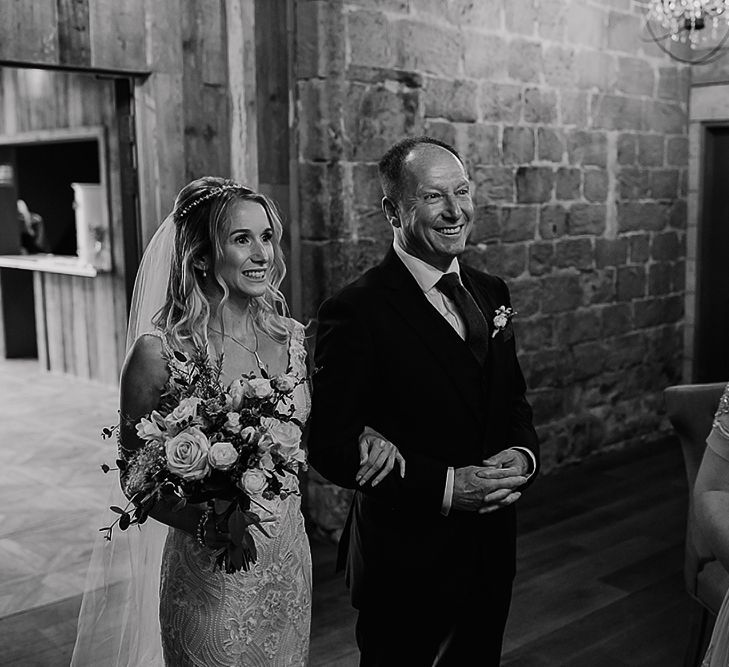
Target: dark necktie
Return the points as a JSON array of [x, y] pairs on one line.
[[477, 330]]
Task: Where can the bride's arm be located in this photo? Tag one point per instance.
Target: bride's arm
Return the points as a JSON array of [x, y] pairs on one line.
[[144, 377]]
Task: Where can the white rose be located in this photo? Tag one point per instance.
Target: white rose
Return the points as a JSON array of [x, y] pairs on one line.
[[286, 437], [149, 429], [284, 383], [187, 454], [285, 434], [266, 461], [248, 434], [232, 423], [222, 455], [185, 410], [259, 388], [253, 481]]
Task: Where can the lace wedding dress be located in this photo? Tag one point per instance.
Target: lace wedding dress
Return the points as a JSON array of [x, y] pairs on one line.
[[257, 618]]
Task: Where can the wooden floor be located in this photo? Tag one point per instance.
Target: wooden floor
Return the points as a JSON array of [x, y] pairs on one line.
[[600, 547]]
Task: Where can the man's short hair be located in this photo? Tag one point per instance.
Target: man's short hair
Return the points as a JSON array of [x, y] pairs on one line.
[[391, 165]]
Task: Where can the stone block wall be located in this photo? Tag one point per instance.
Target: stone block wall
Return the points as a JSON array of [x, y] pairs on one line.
[[574, 130]]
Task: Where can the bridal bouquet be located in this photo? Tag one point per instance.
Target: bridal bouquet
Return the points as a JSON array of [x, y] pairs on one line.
[[227, 446]]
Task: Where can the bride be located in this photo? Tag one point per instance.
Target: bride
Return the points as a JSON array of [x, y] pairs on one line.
[[154, 595]]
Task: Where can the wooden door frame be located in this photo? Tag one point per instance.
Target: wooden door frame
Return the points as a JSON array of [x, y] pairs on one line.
[[702, 281]]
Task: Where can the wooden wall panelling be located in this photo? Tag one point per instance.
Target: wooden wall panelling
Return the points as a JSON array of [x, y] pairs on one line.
[[107, 370], [80, 316], [114, 284], [89, 290], [96, 96], [3, 350], [159, 119], [7, 102], [74, 35], [41, 326], [107, 35], [29, 31], [54, 323], [69, 352], [118, 34], [205, 94], [46, 99]]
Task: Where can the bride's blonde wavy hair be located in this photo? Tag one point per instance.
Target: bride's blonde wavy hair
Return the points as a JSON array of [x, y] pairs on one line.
[[201, 215]]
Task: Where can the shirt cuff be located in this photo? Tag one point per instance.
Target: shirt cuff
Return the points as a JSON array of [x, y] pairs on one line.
[[448, 492], [530, 455]]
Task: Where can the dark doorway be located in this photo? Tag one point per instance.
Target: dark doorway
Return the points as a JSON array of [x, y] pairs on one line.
[[711, 339], [45, 174]]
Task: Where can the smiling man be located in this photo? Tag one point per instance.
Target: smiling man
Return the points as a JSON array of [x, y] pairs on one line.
[[413, 358]]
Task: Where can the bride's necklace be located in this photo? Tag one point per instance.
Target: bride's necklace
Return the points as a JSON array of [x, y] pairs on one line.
[[254, 351]]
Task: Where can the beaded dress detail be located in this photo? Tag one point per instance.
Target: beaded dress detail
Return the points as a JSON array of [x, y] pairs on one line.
[[258, 618]]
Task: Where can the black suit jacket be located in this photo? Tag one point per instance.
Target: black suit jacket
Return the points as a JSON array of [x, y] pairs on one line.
[[387, 359]]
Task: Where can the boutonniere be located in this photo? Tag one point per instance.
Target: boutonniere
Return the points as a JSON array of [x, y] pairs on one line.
[[502, 318]]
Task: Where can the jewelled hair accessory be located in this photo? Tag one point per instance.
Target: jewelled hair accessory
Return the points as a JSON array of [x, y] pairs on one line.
[[209, 195]]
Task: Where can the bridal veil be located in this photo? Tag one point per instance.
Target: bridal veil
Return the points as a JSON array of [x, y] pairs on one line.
[[118, 623]]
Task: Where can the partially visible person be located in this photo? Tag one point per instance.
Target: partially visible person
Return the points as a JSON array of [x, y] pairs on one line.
[[222, 296], [418, 357], [711, 500], [32, 233]]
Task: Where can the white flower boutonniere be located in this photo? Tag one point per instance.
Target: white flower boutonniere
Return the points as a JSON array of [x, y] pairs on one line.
[[502, 318]]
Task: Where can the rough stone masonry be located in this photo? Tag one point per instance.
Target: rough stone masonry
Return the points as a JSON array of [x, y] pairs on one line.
[[574, 131]]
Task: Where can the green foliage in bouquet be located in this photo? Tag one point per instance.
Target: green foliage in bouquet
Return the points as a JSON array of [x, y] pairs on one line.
[[227, 447]]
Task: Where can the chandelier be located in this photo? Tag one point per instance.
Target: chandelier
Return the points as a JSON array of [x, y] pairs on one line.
[[691, 23]]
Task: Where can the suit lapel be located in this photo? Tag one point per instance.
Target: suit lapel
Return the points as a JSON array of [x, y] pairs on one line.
[[445, 345]]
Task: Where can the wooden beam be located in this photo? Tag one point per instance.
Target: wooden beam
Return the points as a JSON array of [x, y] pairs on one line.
[[29, 31], [118, 34], [158, 109], [74, 36]]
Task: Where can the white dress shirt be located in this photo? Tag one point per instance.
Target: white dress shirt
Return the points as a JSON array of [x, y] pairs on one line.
[[427, 277]]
